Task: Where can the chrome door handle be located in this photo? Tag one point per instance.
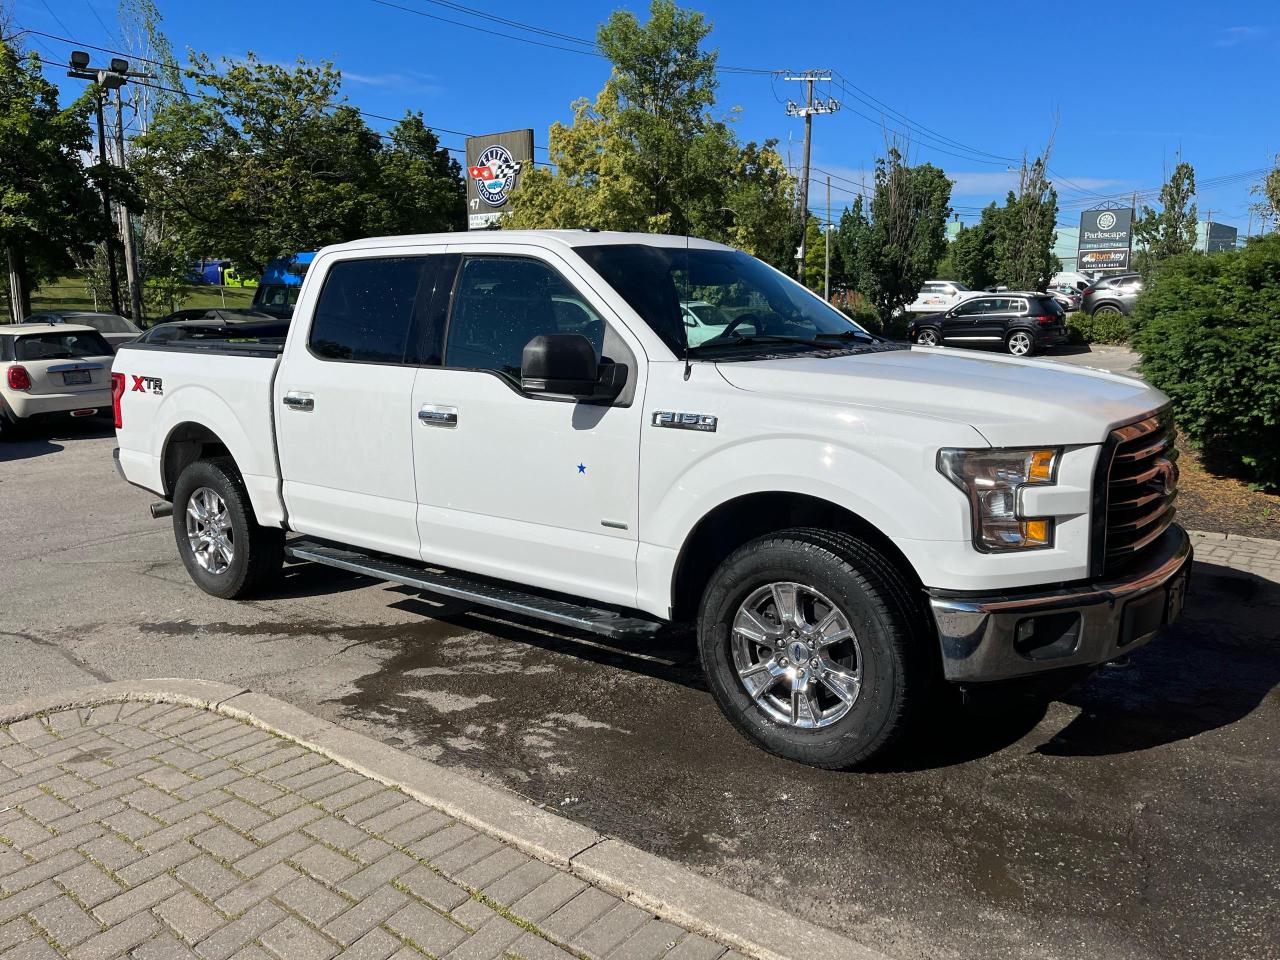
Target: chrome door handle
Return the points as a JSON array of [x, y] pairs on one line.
[[297, 400], [434, 415]]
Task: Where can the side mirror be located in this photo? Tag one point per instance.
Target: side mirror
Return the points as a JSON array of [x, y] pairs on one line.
[[565, 364]]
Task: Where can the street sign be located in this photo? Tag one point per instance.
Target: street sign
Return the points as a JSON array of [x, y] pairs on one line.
[[494, 165], [1105, 239]]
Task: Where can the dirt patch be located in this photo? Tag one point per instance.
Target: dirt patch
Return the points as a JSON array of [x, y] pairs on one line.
[[1208, 501]]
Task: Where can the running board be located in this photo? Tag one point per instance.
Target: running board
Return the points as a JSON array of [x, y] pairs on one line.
[[460, 587]]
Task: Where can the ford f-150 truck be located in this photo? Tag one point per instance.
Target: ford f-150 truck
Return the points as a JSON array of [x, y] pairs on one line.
[[517, 419]]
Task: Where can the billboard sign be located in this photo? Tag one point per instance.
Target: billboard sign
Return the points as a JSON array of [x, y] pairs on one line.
[[494, 165], [1106, 237]]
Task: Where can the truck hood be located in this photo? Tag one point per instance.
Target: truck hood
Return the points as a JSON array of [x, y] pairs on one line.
[[1010, 401]]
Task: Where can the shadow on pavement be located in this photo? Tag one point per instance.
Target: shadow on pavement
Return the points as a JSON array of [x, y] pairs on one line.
[[40, 439]]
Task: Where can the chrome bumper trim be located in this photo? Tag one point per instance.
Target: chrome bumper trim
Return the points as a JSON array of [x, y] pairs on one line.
[[977, 633]]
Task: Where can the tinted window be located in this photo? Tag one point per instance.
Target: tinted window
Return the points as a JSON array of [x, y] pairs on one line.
[[366, 309], [970, 308], [501, 303], [106, 323], [61, 346]]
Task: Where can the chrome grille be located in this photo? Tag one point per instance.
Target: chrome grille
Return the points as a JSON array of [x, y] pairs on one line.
[[1142, 484]]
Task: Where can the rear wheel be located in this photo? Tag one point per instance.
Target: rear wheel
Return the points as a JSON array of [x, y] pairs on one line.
[[1108, 310], [929, 337], [812, 646], [224, 550], [1020, 343]]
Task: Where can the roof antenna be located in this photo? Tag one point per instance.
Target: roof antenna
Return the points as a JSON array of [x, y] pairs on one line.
[[688, 368]]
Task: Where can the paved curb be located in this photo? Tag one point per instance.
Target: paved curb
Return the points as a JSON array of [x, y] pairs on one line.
[[665, 888]]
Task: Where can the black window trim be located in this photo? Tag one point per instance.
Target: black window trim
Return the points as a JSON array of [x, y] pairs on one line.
[[515, 387], [413, 334]]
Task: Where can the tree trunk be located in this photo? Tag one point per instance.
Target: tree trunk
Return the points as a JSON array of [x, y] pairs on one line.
[[19, 299]]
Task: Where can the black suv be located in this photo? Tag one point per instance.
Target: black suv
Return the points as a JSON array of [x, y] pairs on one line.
[[1020, 322]]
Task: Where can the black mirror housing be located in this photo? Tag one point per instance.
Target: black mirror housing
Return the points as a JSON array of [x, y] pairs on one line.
[[565, 364]]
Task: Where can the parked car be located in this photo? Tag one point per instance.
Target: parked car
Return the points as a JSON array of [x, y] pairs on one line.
[[938, 295], [847, 521], [703, 321], [114, 328], [1068, 297], [217, 324], [1071, 278], [51, 371], [1116, 294], [1023, 323]]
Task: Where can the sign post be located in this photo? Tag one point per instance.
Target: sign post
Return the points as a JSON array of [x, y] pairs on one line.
[[1106, 237], [494, 165]]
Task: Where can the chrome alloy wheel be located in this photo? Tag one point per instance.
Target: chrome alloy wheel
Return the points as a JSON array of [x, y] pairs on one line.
[[209, 531], [927, 338], [796, 655], [1020, 343]]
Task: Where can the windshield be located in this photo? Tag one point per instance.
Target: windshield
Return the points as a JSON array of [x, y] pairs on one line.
[[106, 323], [60, 346], [718, 300]]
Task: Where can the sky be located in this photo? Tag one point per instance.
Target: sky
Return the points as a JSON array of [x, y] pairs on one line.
[[971, 86]]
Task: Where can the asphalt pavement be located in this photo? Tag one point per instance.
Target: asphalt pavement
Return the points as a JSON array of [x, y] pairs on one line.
[[1135, 817]]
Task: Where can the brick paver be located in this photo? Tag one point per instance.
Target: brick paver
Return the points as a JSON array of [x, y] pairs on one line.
[[168, 832], [1249, 554]]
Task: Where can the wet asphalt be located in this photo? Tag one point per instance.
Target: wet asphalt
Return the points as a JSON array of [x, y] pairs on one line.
[[1136, 816]]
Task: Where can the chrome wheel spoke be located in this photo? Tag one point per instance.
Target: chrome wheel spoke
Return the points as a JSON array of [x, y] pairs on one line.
[[841, 683], [760, 678], [784, 596], [805, 711], [209, 531], [832, 629], [756, 629]]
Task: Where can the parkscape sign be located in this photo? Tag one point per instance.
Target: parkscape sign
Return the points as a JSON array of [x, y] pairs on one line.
[[494, 165], [1106, 237]]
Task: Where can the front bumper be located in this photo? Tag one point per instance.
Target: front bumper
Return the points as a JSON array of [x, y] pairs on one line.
[[1020, 634]]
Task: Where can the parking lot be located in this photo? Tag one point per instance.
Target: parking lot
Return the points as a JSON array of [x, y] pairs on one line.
[[1134, 818]]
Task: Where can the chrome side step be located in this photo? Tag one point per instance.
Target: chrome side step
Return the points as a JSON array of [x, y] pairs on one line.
[[456, 586]]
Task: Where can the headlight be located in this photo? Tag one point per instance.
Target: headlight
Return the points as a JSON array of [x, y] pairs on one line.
[[991, 480]]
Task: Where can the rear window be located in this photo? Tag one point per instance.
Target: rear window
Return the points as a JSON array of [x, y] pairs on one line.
[[61, 346], [1046, 305]]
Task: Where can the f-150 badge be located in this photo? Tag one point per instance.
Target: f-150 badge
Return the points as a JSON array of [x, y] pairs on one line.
[[703, 422]]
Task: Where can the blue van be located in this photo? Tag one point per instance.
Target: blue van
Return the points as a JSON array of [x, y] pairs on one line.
[[282, 279]]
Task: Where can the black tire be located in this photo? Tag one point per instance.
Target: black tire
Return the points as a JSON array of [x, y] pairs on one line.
[[258, 551], [887, 618], [1107, 309], [937, 335], [11, 428]]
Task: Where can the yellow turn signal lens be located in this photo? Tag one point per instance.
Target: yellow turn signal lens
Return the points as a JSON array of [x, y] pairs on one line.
[[1041, 470], [1036, 532]]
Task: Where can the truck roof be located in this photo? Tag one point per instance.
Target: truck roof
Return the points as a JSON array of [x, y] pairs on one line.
[[566, 238]]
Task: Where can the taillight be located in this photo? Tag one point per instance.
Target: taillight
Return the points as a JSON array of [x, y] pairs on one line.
[[1046, 318], [117, 392], [19, 379], [1087, 291]]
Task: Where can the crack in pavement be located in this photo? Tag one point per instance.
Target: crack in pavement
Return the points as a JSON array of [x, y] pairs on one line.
[[61, 651]]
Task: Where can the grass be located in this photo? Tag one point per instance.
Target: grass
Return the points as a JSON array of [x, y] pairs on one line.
[[69, 293]]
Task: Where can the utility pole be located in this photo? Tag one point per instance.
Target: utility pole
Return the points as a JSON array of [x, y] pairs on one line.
[[1208, 229], [826, 273], [126, 225], [106, 204], [811, 106]]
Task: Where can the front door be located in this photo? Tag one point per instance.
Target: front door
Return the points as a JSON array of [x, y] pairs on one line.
[[343, 404], [528, 488], [958, 323]]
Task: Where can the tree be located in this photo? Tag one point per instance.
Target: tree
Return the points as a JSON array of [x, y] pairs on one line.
[[1267, 208], [648, 155], [1171, 230], [1022, 232], [899, 247], [50, 212], [971, 255], [272, 160]]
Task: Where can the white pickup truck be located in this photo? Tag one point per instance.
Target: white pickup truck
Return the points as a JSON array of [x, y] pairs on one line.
[[516, 419]]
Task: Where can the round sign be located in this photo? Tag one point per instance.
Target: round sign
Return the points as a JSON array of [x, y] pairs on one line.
[[494, 174], [1106, 220]]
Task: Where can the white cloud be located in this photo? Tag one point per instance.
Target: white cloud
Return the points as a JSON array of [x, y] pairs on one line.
[[405, 81], [1232, 36], [966, 183]]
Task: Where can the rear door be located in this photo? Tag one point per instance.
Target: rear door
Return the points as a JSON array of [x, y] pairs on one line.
[[342, 401], [65, 362], [994, 321]]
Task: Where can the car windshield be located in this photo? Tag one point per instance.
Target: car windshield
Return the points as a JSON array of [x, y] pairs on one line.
[[106, 323], [61, 346], [751, 302]]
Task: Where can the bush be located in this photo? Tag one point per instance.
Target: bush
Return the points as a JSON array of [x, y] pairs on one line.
[[1101, 328], [1208, 329]]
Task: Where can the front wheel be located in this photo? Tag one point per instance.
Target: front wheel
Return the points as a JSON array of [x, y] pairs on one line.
[[1020, 343], [813, 646], [224, 550], [928, 337]]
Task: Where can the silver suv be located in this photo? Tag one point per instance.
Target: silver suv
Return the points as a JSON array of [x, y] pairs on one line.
[[1116, 294]]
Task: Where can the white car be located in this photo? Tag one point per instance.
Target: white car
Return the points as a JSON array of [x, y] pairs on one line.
[[938, 296], [1073, 279], [703, 321], [847, 522], [51, 371]]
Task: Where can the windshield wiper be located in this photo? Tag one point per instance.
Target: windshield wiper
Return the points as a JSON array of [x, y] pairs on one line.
[[846, 335], [748, 339]]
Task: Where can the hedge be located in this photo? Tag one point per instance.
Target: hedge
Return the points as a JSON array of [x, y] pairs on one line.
[[1208, 330]]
